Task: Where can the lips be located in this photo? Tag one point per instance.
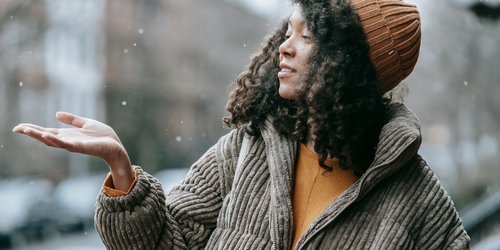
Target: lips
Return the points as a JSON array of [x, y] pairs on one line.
[[285, 71]]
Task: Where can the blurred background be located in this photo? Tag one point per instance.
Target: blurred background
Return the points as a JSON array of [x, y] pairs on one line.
[[158, 72]]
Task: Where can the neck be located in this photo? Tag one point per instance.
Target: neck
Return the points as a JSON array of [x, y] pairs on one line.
[[309, 141]]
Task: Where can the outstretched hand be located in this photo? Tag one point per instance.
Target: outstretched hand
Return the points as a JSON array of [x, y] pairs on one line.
[[88, 137]]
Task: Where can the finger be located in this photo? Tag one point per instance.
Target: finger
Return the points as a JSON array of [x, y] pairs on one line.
[[60, 143], [21, 128], [18, 129], [33, 126], [49, 142], [71, 119], [38, 135]]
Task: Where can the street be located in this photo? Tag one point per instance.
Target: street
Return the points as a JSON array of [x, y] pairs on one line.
[[77, 241]]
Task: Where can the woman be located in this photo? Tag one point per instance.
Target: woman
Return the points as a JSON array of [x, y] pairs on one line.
[[317, 159]]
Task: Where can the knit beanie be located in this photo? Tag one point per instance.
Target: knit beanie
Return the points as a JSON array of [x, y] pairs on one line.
[[392, 29]]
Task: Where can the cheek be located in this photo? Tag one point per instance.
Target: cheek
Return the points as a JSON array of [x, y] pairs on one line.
[[305, 57]]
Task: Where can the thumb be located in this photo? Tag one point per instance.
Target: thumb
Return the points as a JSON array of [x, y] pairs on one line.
[[71, 119]]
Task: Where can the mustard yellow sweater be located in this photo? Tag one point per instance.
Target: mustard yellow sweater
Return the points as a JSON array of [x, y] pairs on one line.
[[315, 188]]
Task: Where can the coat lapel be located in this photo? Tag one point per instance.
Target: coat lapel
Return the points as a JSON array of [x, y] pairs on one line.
[[281, 154], [399, 141]]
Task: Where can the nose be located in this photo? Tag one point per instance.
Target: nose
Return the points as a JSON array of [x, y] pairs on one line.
[[287, 49]]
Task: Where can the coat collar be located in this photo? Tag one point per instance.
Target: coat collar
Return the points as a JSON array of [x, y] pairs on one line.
[[399, 141], [281, 153]]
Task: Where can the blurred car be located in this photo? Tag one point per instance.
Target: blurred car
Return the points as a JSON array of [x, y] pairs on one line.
[[20, 198], [74, 199], [171, 177], [490, 243], [40, 222]]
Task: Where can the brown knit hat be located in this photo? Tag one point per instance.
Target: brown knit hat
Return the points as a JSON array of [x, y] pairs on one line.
[[392, 29]]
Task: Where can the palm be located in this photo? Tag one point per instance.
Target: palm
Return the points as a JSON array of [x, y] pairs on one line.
[[93, 140], [88, 136]]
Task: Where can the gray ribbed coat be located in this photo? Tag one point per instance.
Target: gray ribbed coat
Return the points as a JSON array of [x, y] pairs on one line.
[[397, 204]]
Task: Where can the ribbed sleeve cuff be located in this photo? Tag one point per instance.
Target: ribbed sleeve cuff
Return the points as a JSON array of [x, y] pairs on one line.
[[145, 186], [109, 187], [135, 220]]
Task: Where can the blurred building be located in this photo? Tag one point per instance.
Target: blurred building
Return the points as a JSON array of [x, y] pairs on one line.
[[454, 91], [74, 63], [157, 71], [23, 80], [55, 52], [169, 66]]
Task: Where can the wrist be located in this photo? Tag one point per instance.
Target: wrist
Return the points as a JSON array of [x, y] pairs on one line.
[[117, 159], [121, 171]]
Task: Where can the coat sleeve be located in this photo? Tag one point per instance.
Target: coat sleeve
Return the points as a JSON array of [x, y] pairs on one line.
[[441, 227], [146, 218]]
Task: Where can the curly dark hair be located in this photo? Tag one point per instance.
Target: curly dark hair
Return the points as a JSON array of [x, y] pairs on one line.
[[340, 104]]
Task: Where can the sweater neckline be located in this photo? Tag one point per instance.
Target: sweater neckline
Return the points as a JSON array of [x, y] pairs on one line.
[[332, 162]]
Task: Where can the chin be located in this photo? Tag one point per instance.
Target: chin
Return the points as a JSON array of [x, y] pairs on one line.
[[287, 93]]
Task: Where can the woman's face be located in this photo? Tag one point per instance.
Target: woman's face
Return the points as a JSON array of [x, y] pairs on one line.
[[294, 56]]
